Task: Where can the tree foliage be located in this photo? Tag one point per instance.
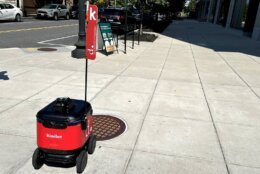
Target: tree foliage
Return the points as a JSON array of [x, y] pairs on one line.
[[151, 5], [192, 6], [164, 5]]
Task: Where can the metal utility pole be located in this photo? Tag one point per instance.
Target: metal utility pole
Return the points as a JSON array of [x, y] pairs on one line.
[[80, 52]]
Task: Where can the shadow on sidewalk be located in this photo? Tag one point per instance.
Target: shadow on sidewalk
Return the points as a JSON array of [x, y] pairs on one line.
[[3, 75], [212, 36]]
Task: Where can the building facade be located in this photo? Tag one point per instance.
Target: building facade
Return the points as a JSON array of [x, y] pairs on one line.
[[239, 14]]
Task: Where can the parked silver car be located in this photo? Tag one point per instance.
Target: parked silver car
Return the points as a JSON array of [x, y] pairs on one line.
[[53, 11], [10, 12]]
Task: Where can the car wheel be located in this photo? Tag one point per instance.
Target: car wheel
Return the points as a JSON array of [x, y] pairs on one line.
[[55, 17], [67, 17], [18, 18]]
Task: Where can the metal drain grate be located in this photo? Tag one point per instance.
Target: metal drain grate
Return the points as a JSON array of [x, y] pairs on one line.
[[106, 127], [47, 49]]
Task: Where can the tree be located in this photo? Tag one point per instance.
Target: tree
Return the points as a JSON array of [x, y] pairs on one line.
[[161, 6], [192, 6], [169, 5]]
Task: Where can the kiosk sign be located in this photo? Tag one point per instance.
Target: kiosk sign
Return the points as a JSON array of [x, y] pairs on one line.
[[106, 32], [92, 16]]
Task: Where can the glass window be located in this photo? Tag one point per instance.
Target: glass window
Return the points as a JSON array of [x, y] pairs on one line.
[[213, 7], [50, 6], [74, 8], [2, 6], [223, 12], [113, 12], [239, 14], [8, 6]]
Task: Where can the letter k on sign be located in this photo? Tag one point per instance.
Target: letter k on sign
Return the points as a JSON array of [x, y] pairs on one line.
[[92, 14]]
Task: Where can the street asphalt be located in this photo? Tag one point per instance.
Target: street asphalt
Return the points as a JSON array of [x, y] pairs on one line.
[[35, 32], [190, 99]]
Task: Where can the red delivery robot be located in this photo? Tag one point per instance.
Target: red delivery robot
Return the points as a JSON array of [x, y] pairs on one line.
[[64, 127], [64, 134]]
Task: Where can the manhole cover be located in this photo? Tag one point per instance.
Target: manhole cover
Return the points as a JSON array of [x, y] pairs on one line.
[[47, 49], [106, 127]]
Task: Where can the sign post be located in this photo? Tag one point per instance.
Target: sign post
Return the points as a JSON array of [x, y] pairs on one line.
[[91, 30]]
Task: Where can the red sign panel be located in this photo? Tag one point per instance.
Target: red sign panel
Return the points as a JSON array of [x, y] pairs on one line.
[[91, 29]]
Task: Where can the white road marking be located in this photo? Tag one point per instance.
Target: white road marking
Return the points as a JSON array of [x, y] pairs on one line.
[[15, 23], [28, 22], [57, 38], [52, 44], [36, 28]]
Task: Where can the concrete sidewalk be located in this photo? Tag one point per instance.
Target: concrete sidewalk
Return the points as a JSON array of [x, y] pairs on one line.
[[190, 101]]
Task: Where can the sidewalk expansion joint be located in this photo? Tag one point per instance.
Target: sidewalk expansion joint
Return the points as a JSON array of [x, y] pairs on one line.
[[116, 76], [236, 71], [211, 116], [241, 165], [18, 166], [238, 75], [14, 134], [183, 118], [49, 86], [147, 109], [252, 59], [183, 156], [116, 110]]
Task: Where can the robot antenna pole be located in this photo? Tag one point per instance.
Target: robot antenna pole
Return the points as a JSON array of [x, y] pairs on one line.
[[86, 79]]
